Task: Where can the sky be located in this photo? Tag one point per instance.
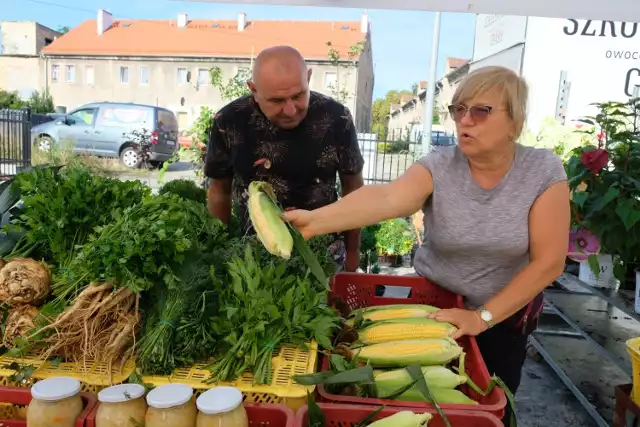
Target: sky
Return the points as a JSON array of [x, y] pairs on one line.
[[401, 40]]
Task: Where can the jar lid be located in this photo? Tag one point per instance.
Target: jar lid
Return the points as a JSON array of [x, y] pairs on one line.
[[219, 400], [55, 388], [169, 395], [121, 393]]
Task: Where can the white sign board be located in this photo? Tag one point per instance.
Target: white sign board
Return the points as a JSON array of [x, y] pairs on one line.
[[585, 9], [601, 58], [495, 33]]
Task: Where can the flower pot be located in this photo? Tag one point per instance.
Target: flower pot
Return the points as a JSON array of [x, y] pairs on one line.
[[605, 279], [388, 260]]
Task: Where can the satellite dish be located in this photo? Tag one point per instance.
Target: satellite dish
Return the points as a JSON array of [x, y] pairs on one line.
[[182, 101], [188, 76]]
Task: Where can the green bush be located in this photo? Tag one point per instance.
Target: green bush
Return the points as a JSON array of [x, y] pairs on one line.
[[394, 237]]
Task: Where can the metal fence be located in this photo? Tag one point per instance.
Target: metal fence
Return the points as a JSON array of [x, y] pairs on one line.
[[386, 158], [15, 141]]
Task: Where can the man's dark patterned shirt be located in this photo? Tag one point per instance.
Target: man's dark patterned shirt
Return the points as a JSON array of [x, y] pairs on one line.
[[301, 163]]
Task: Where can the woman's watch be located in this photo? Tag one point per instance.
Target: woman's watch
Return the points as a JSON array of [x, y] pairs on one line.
[[486, 316]]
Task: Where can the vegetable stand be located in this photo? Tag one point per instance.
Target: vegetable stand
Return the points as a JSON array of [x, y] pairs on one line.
[[359, 290], [288, 361], [351, 415]]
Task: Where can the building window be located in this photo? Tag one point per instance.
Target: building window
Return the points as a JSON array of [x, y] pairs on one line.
[[47, 41], [181, 76], [330, 81], [144, 75], [70, 73], [55, 72], [124, 75], [203, 77], [89, 75]]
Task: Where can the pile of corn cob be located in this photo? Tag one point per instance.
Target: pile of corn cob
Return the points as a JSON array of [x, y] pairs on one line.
[[396, 336], [403, 419]]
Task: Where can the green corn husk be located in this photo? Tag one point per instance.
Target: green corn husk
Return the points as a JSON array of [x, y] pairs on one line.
[[435, 376]]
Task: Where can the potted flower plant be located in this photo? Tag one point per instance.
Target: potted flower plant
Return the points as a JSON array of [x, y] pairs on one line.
[[394, 239], [604, 179]]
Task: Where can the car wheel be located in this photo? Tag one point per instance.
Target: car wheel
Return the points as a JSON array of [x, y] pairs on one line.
[[130, 158], [44, 143]]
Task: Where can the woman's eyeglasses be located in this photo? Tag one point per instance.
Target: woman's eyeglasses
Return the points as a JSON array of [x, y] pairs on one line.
[[478, 113]]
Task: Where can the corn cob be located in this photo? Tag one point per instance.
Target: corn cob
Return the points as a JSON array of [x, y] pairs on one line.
[[405, 329], [403, 419], [441, 395], [270, 228], [394, 311], [399, 354], [435, 376]]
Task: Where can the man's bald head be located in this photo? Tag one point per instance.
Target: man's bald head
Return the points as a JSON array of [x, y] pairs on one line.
[[280, 85], [280, 60]]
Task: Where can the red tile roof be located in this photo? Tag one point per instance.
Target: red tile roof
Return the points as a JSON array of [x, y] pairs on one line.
[[454, 63], [207, 38]]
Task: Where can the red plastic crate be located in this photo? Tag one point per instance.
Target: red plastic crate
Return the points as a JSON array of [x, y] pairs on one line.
[[351, 415], [22, 397], [359, 290], [260, 415]]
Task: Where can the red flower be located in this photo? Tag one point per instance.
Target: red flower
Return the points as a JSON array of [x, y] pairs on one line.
[[595, 160]]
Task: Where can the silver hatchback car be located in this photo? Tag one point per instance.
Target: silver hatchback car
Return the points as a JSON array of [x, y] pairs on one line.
[[104, 129]]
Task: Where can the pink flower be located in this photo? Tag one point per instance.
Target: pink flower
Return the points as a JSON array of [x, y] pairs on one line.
[[595, 160], [582, 243]]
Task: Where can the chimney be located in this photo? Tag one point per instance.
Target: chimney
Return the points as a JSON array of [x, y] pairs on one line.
[[364, 23], [242, 21], [182, 20], [423, 84], [105, 20]]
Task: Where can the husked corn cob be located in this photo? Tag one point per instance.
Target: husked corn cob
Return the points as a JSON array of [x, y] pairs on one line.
[[435, 376], [442, 395], [394, 311], [270, 228], [404, 329], [403, 419], [399, 354]]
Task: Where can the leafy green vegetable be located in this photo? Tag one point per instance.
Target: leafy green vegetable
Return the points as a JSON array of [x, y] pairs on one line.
[[145, 244], [63, 206], [264, 308], [185, 188]]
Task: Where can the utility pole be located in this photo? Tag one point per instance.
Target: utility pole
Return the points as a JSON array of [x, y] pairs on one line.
[[427, 122]]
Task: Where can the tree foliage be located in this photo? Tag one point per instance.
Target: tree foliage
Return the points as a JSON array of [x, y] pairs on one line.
[[40, 103]]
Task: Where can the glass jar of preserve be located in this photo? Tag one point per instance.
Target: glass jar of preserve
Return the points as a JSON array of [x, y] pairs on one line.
[[55, 402], [171, 405], [121, 406], [221, 407]]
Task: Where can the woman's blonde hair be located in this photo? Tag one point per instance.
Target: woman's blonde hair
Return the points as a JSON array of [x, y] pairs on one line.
[[513, 89]]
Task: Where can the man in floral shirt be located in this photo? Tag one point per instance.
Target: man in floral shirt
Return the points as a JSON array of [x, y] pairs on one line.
[[283, 133]]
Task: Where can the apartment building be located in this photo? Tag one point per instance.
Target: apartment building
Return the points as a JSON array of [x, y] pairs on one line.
[[405, 117], [20, 48], [167, 63]]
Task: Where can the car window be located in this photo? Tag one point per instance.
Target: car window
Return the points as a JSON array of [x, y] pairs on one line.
[[167, 121], [83, 117], [125, 117]]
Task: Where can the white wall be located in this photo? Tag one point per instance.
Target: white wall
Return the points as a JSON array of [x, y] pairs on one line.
[[602, 63], [510, 58], [495, 33]]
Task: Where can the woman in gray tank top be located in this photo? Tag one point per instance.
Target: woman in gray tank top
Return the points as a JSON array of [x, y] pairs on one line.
[[496, 218]]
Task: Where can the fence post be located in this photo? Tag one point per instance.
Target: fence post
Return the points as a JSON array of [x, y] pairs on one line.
[[26, 137]]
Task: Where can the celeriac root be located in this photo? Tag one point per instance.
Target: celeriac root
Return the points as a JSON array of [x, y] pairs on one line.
[[100, 326]]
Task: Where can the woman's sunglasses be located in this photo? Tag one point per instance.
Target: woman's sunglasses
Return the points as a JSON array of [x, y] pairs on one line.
[[478, 113]]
